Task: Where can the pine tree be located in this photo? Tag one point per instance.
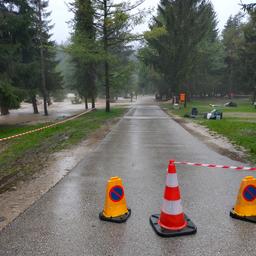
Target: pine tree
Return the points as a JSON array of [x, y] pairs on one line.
[[84, 51], [42, 31], [174, 37], [248, 52], [45, 52], [15, 27], [233, 38], [208, 68], [101, 27], [249, 7], [114, 24]]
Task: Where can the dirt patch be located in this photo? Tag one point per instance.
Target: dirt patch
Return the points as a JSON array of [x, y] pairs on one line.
[[27, 164], [212, 139], [23, 193]]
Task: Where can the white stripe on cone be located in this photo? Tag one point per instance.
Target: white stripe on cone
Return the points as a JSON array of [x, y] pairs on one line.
[[172, 207], [172, 180]]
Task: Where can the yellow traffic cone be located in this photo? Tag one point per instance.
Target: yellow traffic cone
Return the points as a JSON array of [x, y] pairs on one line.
[[245, 208], [115, 209]]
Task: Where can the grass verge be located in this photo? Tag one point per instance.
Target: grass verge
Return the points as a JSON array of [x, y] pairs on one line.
[[25, 155], [238, 124]]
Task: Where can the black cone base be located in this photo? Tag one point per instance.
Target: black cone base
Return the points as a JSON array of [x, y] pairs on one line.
[[188, 230], [244, 218], [119, 219]]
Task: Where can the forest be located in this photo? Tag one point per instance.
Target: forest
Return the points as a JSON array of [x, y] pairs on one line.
[[182, 51]]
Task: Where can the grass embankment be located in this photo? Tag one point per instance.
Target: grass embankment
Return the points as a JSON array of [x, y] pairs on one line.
[[238, 123], [25, 155]]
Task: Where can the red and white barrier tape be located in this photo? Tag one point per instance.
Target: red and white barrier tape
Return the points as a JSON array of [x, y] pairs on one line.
[[219, 166], [45, 127]]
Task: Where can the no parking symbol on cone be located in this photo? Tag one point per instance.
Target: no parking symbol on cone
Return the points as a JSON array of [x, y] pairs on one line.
[[115, 209], [245, 208]]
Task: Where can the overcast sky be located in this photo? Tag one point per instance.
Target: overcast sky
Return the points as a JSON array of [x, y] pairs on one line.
[[60, 15]]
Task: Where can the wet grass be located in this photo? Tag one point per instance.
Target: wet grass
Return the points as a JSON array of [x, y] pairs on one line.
[[18, 156], [238, 132], [239, 125], [244, 106]]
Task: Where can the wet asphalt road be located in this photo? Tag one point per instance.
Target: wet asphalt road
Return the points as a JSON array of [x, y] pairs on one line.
[[65, 221]]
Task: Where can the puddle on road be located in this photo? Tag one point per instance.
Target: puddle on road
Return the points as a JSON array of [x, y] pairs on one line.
[[25, 193]]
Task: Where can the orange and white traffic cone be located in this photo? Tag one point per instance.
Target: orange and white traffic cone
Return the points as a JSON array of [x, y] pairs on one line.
[[172, 221]]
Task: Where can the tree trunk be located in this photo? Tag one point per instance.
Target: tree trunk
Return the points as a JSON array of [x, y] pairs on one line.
[[45, 106], [43, 77], [105, 38], [254, 96], [107, 87], [92, 89], [4, 111], [93, 102], [44, 86], [34, 104], [86, 102]]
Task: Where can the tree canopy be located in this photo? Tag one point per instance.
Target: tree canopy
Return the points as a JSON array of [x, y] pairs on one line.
[[182, 51]]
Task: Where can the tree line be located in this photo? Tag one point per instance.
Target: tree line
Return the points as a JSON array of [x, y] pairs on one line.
[[97, 56], [27, 57], [184, 52], [100, 49]]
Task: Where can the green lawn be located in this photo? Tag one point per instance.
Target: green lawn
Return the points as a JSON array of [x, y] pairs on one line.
[[239, 132], [19, 155], [204, 106], [238, 123]]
